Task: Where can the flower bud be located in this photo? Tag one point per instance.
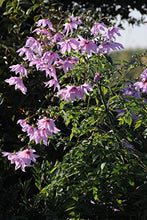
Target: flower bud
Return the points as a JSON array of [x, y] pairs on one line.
[[97, 77]]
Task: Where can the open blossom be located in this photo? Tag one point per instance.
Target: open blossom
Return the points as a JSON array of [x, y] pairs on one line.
[[87, 46], [44, 22], [67, 64], [107, 46], [111, 32], [86, 87], [21, 159], [18, 68], [29, 54], [51, 83], [56, 37], [71, 92], [42, 65], [23, 124], [18, 84], [70, 25], [98, 28], [43, 31], [34, 45], [47, 124], [142, 86], [67, 45], [49, 57], [50, 71]]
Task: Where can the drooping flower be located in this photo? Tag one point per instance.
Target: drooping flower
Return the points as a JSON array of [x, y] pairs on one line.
[[29, 55], [57, 37], [67, 45], [34, 45], [107, 46], [70, 25], [27, 156], [44, 22], [19, 69], [87, 46], [23, 124], [43, 31], [142, 86], [71, 92], [111, 32], [50, 71], [18, 84], [50, 56], [21, 159], [86, 87], [51, 83], [47, 124], [67, 64], [98, 28]]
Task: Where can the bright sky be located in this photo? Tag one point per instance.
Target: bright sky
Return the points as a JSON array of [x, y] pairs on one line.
[[134, 36]]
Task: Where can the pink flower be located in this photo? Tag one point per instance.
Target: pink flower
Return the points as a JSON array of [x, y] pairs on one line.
[[43, 135], [143, 75], [67, 64], [67, 45], [87, 46], [19, 69], [18, 84], [34, 45], [50, 56], [44, 22], [21, 159], [143, 84], [51, 83], [107, 46], [70, 25], [97, 77], [56, 37], [48, 125], [29, 55], [50, 71], [41, 65], [23, 124], [71, 92], [111, 32], [43, 31], [28, 156], [98, 28], [86, 87]]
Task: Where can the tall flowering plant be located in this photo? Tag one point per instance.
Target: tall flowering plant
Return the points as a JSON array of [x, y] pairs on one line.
[[56, 52], [80, 111]]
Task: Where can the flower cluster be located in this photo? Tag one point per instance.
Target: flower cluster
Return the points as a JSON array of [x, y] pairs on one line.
[[53, 51], [46, 127], [21, 159], [36, 54]]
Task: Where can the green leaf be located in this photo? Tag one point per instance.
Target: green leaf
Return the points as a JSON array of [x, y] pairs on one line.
[[103, 165], [138, 124], [1, 2]]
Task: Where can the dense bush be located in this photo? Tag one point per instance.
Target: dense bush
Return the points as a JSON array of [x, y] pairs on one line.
[[87, 124]]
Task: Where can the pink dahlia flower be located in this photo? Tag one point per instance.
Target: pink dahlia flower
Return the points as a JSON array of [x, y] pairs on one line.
[[18, 84]]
